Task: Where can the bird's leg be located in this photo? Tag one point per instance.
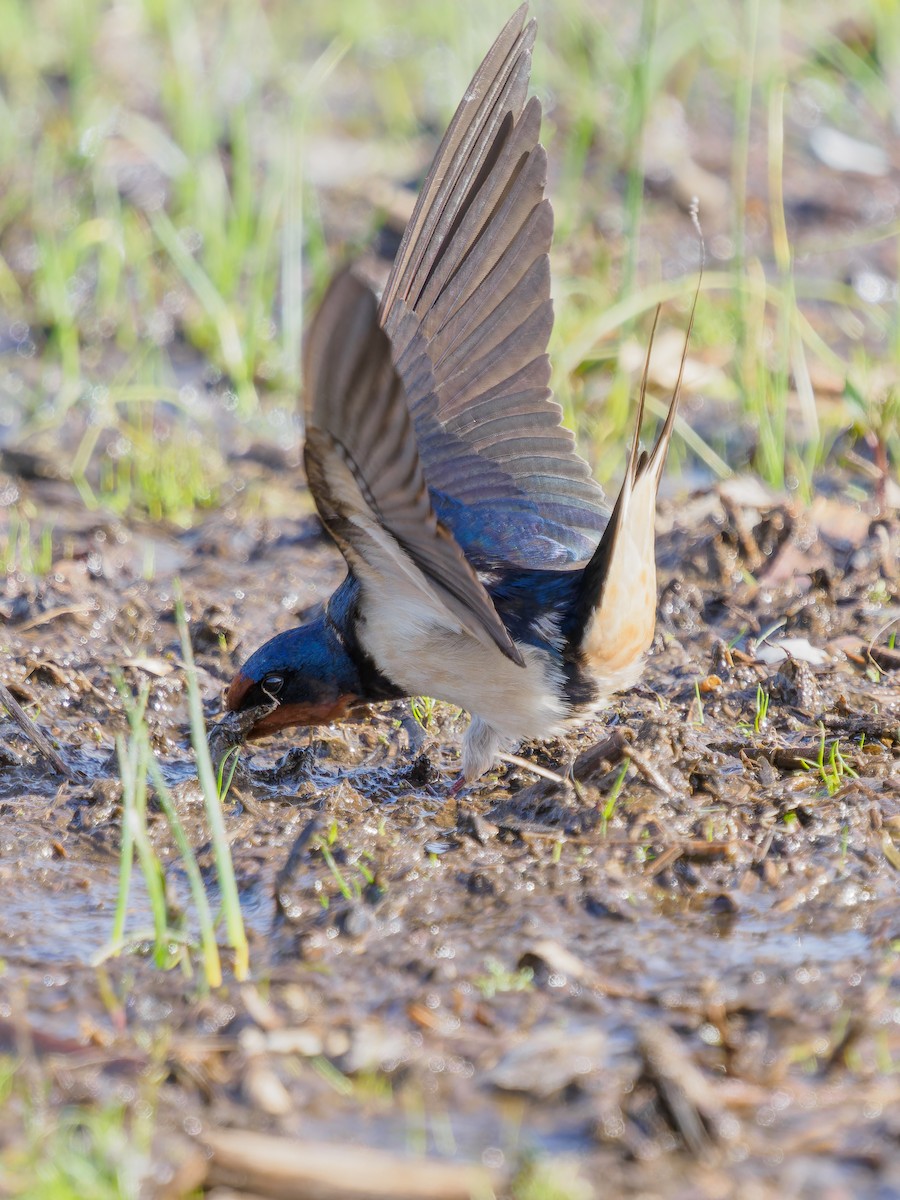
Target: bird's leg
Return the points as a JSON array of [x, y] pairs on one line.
[[456, 786]]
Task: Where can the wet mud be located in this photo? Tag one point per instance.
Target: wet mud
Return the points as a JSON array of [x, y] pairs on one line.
[[677, 968]]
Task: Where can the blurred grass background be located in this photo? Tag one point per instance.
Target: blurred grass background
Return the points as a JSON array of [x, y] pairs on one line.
[[179, 177]]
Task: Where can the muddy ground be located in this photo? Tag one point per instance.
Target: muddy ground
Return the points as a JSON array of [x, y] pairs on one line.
[[681, 980]]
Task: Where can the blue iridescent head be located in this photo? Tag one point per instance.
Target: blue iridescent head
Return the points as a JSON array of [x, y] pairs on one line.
[[307, 671]]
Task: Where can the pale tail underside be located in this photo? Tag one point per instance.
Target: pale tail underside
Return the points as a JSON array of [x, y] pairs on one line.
[[620, 580]]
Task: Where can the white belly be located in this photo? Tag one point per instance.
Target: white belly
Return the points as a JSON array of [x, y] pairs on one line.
[[427, 659], [423, 649]]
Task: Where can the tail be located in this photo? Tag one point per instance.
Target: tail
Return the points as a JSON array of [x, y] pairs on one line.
[[617, 600]]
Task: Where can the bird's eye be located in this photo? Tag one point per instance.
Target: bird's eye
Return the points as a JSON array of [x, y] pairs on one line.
[[272, 684]]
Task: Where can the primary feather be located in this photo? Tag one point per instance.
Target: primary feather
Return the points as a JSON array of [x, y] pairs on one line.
[[467, 308]]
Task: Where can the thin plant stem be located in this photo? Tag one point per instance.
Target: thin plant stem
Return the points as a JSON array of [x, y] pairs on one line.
[[743, 109], [637, 117], [127, 772], [231, 906], [211, 962], [133, 760]]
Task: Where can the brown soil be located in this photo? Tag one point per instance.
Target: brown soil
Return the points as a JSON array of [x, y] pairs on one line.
[[692, 989]]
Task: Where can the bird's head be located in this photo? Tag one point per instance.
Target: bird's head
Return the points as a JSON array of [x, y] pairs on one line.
[[307, 673]]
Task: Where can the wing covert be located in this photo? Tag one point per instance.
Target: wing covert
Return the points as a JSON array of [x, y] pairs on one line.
[[364, 470]]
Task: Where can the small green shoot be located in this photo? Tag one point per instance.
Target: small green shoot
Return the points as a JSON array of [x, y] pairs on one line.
[[498, 979], [613, 798], [353, 880], [830, 764], [344, 887], [422, 708], [762, 709], [228, 766], [738, 637], [879, 594], [698, 705]]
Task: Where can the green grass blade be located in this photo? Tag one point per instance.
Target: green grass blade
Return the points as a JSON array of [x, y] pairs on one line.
[[212, 963], [231, 906]]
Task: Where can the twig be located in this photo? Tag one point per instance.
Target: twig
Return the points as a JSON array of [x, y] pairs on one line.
[[64, 610], [31, 731], [281, 1166], [650, 773], [527, 765], [669, 856], [610, 749]]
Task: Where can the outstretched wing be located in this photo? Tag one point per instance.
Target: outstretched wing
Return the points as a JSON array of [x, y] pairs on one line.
[[366, 478], [467, 308]]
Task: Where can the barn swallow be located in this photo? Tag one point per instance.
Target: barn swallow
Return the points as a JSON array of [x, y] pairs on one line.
[[484, 565]]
